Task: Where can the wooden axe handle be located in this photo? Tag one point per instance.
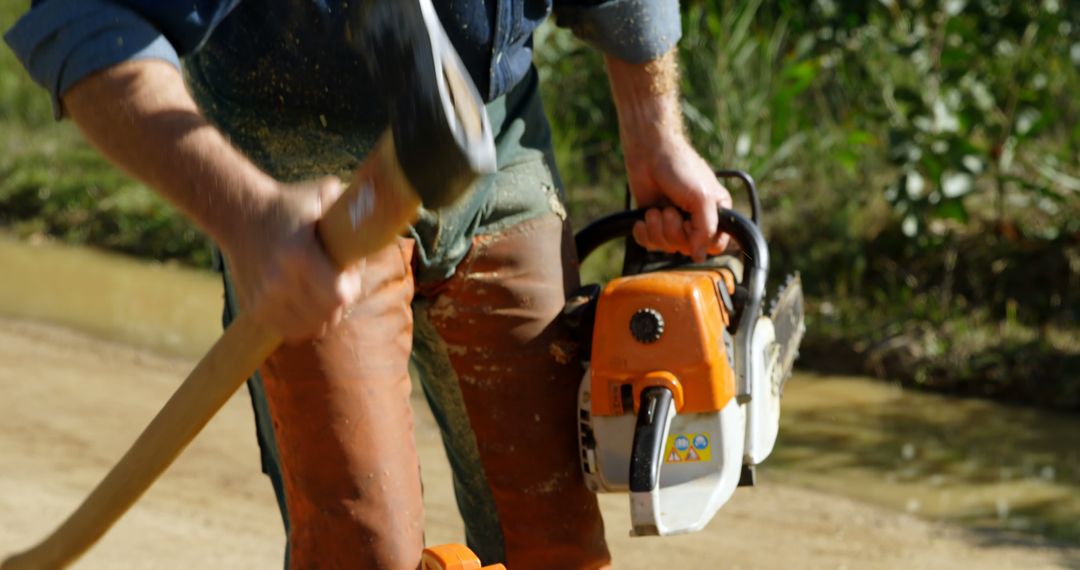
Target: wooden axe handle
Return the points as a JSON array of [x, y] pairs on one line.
[[369, 215]]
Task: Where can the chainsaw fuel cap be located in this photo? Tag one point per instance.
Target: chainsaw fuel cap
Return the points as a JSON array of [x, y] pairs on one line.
[[647, 325]]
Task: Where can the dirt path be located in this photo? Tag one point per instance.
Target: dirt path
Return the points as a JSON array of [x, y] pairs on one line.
[[71, 404]]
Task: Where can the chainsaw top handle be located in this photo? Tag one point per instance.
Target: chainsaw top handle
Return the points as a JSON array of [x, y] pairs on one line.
[[745, 232], [615, 226]]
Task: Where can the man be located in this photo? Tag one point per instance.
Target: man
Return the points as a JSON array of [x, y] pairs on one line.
[[275, 100]]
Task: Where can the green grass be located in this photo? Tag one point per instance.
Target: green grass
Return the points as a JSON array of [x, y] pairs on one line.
[[53, 184]]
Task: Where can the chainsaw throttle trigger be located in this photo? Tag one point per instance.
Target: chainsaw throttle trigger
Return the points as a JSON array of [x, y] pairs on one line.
[[653, 422]]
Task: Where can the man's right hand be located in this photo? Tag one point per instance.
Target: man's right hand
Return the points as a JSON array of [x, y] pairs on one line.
[[283, 276], [142, 118]]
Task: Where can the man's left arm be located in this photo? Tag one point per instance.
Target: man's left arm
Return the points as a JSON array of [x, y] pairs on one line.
[[665, 172]]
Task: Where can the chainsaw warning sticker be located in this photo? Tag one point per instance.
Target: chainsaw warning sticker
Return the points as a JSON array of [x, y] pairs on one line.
[[688, 448]]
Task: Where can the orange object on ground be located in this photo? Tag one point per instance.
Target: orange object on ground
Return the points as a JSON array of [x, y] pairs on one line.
[[453, 557]]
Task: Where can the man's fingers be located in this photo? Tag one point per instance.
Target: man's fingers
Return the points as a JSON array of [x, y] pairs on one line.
[[350, 283], [704, 219], [641, 235], [663, 230], [667, 230], [721, 244], [673, 231], [330, 189], [654, 226]]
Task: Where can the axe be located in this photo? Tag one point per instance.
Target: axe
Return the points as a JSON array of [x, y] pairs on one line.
[[439, 141]]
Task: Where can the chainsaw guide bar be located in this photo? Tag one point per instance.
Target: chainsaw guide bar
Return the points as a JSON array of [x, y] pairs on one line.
[[786, 312]]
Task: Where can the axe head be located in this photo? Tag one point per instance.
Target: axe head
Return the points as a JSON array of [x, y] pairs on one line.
[[442, 135]]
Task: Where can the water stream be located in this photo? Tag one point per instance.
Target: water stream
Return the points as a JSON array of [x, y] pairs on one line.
[[957, 459], [158, 306], [963, 460]]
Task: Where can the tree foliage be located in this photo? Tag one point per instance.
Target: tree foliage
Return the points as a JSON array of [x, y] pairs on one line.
[[920, 164]]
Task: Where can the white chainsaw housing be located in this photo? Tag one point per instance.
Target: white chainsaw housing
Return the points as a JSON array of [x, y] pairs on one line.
[[763, 409], [689, 493]]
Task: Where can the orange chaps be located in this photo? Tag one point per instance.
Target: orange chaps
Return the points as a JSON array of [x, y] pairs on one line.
[[501, 375]]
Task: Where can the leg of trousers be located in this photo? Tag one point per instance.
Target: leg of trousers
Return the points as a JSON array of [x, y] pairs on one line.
[[344, 429], [517, 373], [343, 425]]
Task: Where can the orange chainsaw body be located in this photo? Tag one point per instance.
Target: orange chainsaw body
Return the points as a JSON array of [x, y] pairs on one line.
[[679, 342]]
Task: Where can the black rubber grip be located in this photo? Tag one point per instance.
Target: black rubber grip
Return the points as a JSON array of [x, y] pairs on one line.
[[646, 456]]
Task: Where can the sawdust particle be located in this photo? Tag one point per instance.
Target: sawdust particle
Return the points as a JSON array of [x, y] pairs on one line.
[[553, 485], [443, 310], [562, 352], [554, 202]]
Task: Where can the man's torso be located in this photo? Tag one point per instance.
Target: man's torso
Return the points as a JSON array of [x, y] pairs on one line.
[[292, 56]]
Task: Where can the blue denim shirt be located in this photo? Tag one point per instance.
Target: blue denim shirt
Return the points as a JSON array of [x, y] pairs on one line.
[[62, 41]]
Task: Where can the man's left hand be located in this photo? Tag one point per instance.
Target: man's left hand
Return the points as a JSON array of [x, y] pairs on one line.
[[672, 179]]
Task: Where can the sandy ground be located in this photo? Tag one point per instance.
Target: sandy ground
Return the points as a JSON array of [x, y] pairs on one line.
[[71, 404]]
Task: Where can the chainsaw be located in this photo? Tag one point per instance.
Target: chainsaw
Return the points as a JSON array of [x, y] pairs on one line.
[[684, 371]]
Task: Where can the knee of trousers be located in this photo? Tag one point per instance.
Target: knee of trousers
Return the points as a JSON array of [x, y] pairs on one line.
[[344, 429], [519, 373]]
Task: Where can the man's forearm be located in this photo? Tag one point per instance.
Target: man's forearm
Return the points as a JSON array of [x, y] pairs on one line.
[[665, 173], [140, 116], [646, 97]]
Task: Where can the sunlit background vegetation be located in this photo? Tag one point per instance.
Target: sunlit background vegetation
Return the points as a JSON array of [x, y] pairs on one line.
[[919, 164]]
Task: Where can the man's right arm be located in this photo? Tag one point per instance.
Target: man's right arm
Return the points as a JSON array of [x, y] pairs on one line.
[[138, 113], [140, 116]]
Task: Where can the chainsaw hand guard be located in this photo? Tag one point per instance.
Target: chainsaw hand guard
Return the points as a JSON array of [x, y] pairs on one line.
[[650, 433]]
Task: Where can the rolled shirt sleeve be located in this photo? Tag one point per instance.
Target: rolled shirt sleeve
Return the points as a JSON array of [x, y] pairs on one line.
[[636, 31], [62, 41]]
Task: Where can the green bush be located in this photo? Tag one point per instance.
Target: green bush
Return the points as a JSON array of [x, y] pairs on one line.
[[919, 163], [52, 183]]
